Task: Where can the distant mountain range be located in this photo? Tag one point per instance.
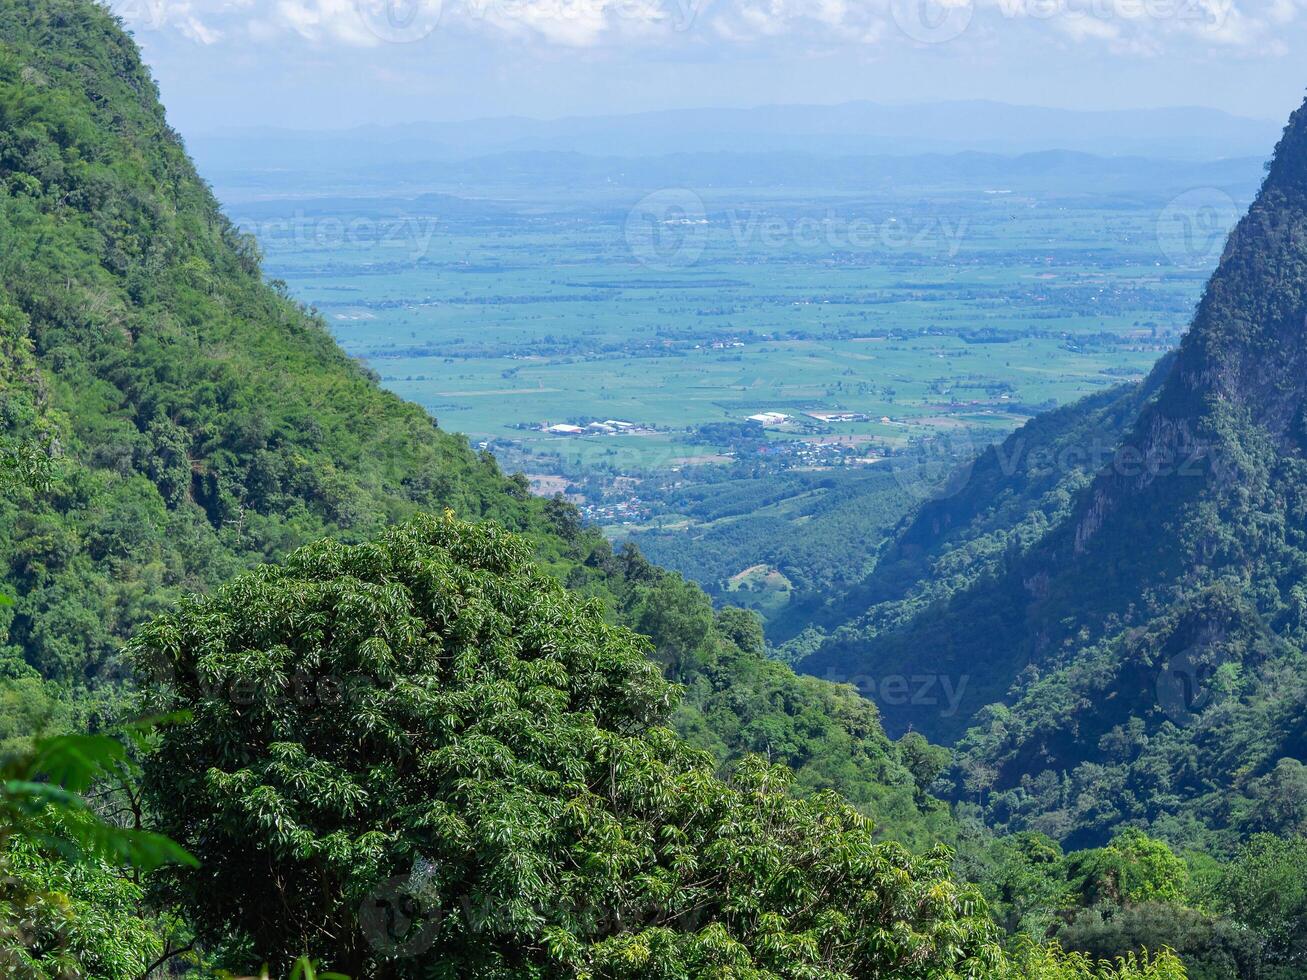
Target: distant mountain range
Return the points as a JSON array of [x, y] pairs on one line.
[[848, 129], [1050, 172]]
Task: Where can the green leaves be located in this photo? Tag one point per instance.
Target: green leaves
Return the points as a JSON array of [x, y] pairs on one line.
[[73, 762], [487, 788], [139, 849], [1264, 888], [45, 783], [68, 878], [1035, 962], [303, 968], [24, 465], [1132, 869]]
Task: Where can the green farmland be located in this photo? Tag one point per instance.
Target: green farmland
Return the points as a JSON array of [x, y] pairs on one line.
[[505, 316]]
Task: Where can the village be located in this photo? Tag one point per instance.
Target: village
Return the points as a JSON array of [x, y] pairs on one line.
[[779, 419], [609, 427]]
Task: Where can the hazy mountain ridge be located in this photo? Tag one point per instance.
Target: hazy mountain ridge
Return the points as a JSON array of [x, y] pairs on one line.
[[1052, 172], [855, 128]]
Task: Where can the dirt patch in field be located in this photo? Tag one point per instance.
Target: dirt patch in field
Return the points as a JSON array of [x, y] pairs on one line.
[[544, 485]]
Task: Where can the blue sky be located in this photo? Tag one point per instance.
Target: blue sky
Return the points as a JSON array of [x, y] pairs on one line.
[[329, 63]]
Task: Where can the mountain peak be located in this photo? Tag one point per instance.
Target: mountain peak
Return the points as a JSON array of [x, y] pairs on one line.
[[1238, 384], [1247, 347], [1289, 165]]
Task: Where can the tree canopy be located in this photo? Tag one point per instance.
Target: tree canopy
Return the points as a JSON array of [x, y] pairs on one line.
[[429, 720]]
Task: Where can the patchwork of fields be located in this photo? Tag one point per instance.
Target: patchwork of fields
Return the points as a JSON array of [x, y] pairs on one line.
[[504, 317], [875, 327]]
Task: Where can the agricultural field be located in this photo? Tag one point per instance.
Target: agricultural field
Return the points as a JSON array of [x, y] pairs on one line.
[[646, 327], [504, 318]]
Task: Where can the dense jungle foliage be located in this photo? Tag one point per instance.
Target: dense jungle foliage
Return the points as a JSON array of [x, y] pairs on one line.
[[386, 713]]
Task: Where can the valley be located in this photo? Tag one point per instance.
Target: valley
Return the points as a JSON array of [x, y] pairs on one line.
[[540, 564], [874, 320]]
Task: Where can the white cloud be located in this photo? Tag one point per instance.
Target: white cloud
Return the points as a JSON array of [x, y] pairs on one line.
[[1283, 11], [838, 22], [325, 21], [1123, 27], [572, 23], [186, 17], [1086, 28]]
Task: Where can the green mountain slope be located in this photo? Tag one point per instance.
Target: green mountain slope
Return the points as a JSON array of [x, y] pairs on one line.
[[809, 526], [1134, 654], [203, 420], [1005, 501], [199, 422]]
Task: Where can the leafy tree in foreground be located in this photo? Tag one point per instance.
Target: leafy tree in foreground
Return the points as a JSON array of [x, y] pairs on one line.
[[1035, 962], [61, 918], [1265, 889], [423, 757]]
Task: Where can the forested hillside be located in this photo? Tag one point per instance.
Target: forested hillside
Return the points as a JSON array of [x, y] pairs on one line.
[[818, 529], [1005, 500], [197, 421], [1128, 615], [200, 420]]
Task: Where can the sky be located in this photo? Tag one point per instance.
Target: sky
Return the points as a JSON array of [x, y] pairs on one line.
[[318, 64]]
